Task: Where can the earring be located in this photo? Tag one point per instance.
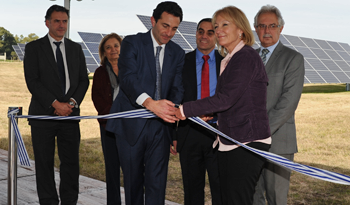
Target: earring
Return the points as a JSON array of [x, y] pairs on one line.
[[240, 35]]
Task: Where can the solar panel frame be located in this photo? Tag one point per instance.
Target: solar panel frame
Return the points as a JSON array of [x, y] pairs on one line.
[[309, 42], [344, 55], [295, 41], [343, 65], [323, 44], [335, 46], [345, 46], [306, 52], [331, 65], [321, 54]]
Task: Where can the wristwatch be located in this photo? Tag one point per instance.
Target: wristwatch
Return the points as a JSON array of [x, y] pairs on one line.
[[73, 104]]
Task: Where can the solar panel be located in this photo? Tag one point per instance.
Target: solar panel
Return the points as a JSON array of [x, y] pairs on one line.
[[185, 35], [295, 41], [19, 49], [146, 20], [345, 46], [90, 44], [325, 61]]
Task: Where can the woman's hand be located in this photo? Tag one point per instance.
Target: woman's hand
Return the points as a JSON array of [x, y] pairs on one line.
[[179, 115], [206, 118]]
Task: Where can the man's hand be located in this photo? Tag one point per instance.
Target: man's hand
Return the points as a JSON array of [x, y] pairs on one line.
[[173, 150], [162, 108], [62, 108]]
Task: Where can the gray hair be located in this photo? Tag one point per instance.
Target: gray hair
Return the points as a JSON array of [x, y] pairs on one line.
[[269, 9]]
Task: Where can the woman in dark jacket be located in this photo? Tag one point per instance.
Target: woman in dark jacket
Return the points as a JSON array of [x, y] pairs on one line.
[[240, 104], [105, 88]]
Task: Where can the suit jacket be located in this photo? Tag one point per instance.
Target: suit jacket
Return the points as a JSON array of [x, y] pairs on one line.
[[189, 79], [137, 75], [101, 93], [42, 78], [285, 70], [239, 100]]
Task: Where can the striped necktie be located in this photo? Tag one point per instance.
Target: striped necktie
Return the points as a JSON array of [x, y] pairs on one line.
[[159, 75], [264, 52]]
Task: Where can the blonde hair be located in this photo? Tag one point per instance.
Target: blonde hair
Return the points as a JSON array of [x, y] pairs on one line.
[[101, 49], [236, 16]]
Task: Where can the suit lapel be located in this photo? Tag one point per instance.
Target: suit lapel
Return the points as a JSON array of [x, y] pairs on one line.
[[47, 50], [68, 50], [274, 56], [149, 52], [191, 73], [166, 68], [218, 59]]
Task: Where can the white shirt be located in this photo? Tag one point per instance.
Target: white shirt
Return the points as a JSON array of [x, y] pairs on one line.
[[63, 51], [271, 49], [141, 99]]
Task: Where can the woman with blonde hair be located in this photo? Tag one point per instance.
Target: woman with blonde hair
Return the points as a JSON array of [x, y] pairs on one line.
[[240, 104]]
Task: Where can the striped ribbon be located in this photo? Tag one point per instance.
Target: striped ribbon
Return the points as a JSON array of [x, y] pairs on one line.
[[143, 113], [21, 149]]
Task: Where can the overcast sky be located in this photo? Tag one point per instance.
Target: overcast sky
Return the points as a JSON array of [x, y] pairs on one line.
[[326, 20]]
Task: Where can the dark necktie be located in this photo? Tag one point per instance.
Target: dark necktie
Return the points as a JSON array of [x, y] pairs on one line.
[[264, 52], [159, 75], [205, 92], [60, 66]]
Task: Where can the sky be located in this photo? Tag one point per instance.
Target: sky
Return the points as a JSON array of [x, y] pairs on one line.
[[326, 20]]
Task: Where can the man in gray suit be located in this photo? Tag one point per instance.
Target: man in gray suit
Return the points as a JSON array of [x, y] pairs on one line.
[[285, 70]]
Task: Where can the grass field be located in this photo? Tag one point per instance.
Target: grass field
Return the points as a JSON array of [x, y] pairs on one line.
[[323, 119]]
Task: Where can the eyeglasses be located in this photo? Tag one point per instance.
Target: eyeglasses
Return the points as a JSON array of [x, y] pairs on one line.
[[271, 26]]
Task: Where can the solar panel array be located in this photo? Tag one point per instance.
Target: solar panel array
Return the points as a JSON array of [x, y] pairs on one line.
[[325, 61], [19, 49]]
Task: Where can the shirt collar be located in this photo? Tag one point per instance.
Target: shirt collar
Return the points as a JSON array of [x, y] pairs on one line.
[[199, 55], [155, 43], [270, 48], [53, 40]]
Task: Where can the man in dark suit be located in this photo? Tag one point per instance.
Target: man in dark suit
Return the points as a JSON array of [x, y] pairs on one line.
[[150, 68], [285, 70], [193, 142], [55, 73]]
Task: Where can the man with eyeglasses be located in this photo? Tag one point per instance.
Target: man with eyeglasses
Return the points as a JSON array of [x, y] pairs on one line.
[[285, 70]]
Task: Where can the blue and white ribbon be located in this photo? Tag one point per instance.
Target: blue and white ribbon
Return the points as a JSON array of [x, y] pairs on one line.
[[143, 113], [21, 149]]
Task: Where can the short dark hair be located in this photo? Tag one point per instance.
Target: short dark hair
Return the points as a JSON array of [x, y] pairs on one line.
[[55, 8], [169, 7], [203, 20]]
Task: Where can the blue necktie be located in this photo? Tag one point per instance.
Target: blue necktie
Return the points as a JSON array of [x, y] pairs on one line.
[[159, 75], [60, 66], [264, 52]]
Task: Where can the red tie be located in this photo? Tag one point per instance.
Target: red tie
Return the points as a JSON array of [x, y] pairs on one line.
[[205, 78]]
